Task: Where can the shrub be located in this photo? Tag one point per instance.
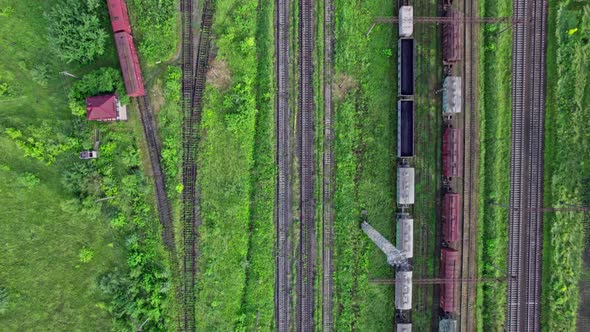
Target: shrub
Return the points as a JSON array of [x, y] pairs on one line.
[[75, 30], [100, 81], [86, 255]]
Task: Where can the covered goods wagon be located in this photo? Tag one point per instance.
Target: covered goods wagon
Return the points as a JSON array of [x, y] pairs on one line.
[[451, 211], [452, 47], [119, 15], [129, 64], [449, 271], [452, 156]]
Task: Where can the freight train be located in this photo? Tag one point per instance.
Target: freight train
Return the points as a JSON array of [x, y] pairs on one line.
[[126, 48], [452, 169]]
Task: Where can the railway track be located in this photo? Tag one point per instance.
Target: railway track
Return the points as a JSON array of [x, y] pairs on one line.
[[328, 171], [469, 232], [526, 173], [283, 159], [194, 73], [305, 149], [154, 152]]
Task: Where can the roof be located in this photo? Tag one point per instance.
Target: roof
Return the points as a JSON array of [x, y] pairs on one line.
[[102, 107]]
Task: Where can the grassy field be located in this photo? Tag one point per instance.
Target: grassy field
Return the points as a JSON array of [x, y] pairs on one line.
[[495, 75], [364, 156], [566, 171], [237, 173], [71, 262]]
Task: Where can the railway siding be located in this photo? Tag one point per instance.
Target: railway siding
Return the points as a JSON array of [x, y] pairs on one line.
[[526, 174]]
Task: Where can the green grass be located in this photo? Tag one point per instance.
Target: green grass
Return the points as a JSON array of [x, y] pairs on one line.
[[236, 275], [566, 171], [364, 156], [41, 239], [52, 213], [495, 75]]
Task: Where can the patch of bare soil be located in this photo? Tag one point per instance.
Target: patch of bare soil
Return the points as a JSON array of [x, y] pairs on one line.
[[342, 85], [219, 75], [156, 96]]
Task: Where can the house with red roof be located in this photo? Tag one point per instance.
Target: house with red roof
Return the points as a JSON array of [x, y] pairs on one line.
[[105, 108]]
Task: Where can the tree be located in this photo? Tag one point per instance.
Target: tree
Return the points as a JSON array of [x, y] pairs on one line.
[[75, 30]]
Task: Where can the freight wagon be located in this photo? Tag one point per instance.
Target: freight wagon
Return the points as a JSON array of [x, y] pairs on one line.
[[449, 272], [452, 48], [405, 234], [405, 54], [407, 327], [129, 64], [403, 290], [406, 21], [119, 16], [405, 128], [128, 60], [405, 185], [451, 211], [452, 156], [452, 95]]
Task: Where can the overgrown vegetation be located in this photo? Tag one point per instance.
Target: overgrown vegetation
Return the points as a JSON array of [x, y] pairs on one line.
[[75, 29], [236, 243], [496, 109], [364, 156], [89, 225], [155, 26], [567, 172]]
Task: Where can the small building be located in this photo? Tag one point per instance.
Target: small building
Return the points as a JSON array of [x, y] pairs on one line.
[[449, 272], [451, 212], [405, 234], [406, 21], [105, 108], [452, 95], [403, 290], [452, 156], [405, 185]]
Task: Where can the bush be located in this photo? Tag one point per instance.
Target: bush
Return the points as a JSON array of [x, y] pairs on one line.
[[86, 255], [75, 30], [41, 143], [103, 80]]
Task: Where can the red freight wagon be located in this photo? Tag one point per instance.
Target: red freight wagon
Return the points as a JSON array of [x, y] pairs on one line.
[[119, 16], [451, 38], [451, 210], [449, 262], [452, 156], [129, 64]]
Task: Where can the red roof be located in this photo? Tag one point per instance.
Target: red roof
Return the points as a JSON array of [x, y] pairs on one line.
[[101, 108]]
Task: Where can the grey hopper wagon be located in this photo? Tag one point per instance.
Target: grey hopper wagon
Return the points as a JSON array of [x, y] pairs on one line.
[[403, 327], [405, 234], [405, 185], [403, 290]]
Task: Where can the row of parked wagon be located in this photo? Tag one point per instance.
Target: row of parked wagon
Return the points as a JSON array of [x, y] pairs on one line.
[[126, 48], [405, 173], [452, 170]]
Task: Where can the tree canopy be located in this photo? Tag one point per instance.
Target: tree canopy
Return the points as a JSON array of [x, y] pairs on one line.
[[75, 30]]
